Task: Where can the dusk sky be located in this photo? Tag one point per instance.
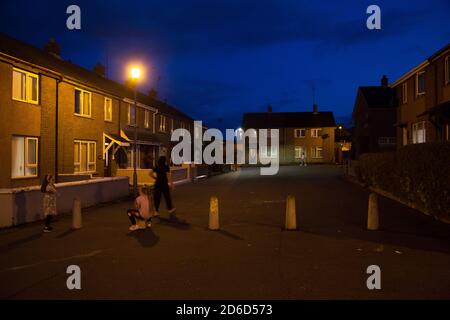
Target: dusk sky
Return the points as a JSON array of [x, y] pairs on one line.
[[216, 60]]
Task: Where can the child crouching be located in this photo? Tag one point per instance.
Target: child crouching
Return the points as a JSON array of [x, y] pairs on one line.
[[141, 212]]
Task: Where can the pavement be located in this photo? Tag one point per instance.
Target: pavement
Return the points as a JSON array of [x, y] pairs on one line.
[[251, 257]]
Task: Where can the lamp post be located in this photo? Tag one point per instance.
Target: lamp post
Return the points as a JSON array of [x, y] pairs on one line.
[[135, 75]]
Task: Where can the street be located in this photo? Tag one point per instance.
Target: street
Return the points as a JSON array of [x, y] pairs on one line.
[[251, 257]]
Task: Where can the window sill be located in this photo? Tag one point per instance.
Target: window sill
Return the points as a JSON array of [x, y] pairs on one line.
[[109, 121], [25, 177], [27, 102], [83, 116]]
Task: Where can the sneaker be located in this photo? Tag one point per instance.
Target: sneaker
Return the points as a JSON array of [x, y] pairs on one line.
[[133, 227], [48, 229], [149, 224]]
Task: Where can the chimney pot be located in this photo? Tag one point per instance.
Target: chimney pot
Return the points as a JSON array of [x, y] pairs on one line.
[[384, 81], [100, 69], [315, 109], [53, 48]]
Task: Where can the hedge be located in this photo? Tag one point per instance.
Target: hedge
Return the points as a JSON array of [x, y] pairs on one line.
[[417, 173]]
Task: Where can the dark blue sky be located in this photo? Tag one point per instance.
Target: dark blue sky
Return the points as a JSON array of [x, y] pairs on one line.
[[218, 59]]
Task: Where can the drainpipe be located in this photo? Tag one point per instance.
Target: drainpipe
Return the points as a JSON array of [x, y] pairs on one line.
[[58, 80]]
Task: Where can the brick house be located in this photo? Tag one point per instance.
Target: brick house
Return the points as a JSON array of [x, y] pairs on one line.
[[58, 117], [311, 133], [374, 116], [424, 101]]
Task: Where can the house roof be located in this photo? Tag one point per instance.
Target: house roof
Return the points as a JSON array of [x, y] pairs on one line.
[[268, 120], [39, 57], [379, 97]]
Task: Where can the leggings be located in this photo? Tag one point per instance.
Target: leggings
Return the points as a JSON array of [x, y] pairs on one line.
[[165, 191], [134, 214]]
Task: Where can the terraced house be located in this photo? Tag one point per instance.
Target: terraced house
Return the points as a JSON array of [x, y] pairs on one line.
[[61, 119], [308, 133], [423, 92]]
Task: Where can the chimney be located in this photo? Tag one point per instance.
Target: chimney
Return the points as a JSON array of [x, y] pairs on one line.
[[53, 48], [269, 108], [315, 111], [99, 69], [384, 81]]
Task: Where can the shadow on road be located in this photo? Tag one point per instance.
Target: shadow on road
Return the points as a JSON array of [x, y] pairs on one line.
[[175, 223], [20, 242], [147, 238], [65, 233], [229, 235]]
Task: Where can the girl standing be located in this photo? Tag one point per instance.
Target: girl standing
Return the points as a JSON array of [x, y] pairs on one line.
[[49, 190], [163, 184]]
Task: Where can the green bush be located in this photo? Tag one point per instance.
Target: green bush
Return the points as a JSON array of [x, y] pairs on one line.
[[418, 173]]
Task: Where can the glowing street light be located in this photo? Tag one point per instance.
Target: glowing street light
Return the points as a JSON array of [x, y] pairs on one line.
[[135, 73]]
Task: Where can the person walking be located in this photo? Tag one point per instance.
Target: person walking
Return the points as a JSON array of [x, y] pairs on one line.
[[303, 159], [49, 203], [163, 184]]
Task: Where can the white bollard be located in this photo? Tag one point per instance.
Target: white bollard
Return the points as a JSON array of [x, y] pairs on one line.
[[214, 214], [76, 214], [291, 213], [372, 212]]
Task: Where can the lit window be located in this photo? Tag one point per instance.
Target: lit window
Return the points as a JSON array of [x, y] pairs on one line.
[[130, 157], [315, 133], [84, 156], [317, 152], [299, 152], [82, 103], [25, 86], [147, 119], [405, 92], [420, 83], [24, 157], [162, 123], [300, 133], [419, 132], [108, 109], [131, 115]]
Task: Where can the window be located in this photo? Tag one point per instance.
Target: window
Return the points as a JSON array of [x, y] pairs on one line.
[[404, 92], [418, 132], [84, 156], [317, 152], [24, 157], [447, 70], [25, 86], [300, 133], [299, 151], [147, 119], [82, 102], [386, 140], [108, 109], [420, 83], [316, 133], [130, 157], [131, 115], [162, 123], [405, 136]]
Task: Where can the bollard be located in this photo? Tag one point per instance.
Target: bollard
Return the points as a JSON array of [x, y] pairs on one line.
[[291, 213], [76, 214], [372, 213], [214, 213]]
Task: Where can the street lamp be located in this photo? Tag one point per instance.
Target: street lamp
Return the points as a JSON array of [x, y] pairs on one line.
[[135, 74]]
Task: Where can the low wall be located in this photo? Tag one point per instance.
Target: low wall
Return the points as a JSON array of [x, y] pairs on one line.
[[144, 176], [22, 205]]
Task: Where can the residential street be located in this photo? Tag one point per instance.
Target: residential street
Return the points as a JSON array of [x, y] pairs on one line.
[[251, 257]]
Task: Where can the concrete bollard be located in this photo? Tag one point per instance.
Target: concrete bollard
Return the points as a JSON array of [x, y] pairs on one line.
[[372, 212], [76, 214], [214, 214], [291, 213]]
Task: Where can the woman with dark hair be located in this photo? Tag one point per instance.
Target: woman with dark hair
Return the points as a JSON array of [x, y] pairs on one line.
[[163, 184], [49, 205]]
